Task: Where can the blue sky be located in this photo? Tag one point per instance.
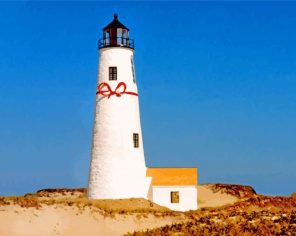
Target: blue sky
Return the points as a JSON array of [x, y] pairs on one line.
[[217, 84]]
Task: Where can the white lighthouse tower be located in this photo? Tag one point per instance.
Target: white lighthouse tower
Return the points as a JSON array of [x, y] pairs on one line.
[[117, 168]]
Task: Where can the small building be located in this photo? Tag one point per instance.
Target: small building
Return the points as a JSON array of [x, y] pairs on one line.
[[175, 188]]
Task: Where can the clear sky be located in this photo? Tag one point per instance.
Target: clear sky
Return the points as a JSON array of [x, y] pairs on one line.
[[217, 84]]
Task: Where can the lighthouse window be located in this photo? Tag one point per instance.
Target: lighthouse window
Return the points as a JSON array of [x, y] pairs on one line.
[[136, 140], [175, 198], [112, 73], [133, 69]]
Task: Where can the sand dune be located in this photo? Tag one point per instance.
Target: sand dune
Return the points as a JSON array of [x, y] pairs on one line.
[[208, 198], [216, 195], [67, 212], [53, 220]]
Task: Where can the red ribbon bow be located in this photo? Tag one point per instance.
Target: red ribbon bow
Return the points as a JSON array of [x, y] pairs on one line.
[[105, 90]]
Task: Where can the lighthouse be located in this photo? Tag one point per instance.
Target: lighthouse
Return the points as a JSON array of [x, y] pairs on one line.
[[117, 168]]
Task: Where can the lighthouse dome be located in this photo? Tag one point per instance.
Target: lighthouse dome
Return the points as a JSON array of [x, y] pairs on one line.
[[116, 34], [115, 24]]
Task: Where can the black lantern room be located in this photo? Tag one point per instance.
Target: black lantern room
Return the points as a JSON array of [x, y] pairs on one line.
[[116, 35]]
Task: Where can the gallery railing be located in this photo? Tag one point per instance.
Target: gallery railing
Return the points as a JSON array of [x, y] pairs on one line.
[[116, 42]]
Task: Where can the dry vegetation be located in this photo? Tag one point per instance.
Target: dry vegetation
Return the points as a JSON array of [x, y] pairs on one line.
[[252, 215], [239, 191], [240, 223]]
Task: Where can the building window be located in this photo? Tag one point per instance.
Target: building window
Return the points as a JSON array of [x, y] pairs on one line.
[[112, 73], [175, 198], [136, 140]]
